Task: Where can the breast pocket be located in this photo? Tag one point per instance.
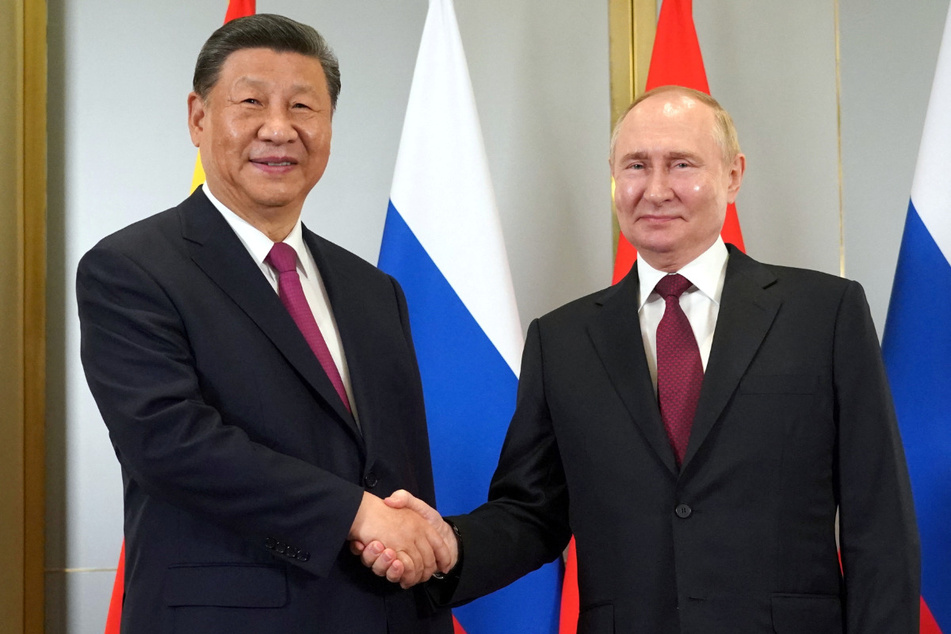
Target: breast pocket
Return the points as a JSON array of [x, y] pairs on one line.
[[779, 384]]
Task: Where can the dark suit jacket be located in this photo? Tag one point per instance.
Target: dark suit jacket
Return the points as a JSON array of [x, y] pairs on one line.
[[794, 421], [242, 469]]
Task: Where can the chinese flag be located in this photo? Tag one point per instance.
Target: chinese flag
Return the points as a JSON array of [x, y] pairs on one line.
[[236, 9], [676, 60]]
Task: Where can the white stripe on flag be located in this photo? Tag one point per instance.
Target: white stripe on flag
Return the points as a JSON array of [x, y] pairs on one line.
[[931, 190], [454, 216]]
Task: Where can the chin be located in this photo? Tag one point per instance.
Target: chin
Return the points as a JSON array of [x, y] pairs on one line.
[[654, 244]]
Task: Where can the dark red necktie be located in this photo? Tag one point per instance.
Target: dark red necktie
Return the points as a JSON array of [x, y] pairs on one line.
[[283, 258], [679, 370]]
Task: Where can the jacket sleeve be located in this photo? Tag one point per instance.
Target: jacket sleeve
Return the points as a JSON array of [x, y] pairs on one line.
[[524, 525], [878, 536], [140, 367]]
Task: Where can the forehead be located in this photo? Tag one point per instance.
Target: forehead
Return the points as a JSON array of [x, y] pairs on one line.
[[267, 66], [668, 118]]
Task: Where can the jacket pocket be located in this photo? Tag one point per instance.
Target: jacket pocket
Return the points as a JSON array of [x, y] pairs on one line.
[[597, 618], [813, 613], [225, 585]]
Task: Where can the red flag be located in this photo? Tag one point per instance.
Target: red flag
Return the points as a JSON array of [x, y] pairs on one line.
[[115, 602], [676, 60], [570, 605], [236, 9], [239, 9]]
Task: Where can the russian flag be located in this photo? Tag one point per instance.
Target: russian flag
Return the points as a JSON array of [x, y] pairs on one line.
[[443, 242], [917, 346]]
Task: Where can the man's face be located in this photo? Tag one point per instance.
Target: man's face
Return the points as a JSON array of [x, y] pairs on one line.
[[264, 133], [672, 184]]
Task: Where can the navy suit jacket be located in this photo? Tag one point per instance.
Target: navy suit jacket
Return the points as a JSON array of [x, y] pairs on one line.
[[242, 469], [794, 422]]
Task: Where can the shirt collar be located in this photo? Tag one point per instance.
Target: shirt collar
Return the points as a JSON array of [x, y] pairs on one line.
[[706, 272], [254, 240]]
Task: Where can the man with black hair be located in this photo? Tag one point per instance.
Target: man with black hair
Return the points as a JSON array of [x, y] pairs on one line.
[[259, 383]]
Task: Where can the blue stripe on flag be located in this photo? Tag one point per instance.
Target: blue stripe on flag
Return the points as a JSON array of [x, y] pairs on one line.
[[917, 351], [470, 396]]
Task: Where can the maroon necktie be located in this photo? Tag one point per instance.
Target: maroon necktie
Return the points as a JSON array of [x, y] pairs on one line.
[[679, 370], [283, 258]]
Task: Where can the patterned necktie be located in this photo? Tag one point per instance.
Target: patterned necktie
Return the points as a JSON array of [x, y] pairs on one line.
[[283, 258], [679, 370]]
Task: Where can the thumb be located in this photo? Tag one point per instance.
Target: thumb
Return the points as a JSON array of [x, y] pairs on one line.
[[404, 499], [399, 499]]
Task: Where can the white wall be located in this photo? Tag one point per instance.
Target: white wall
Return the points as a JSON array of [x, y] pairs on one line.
[[772, 65], [119, 150], [889, 54]]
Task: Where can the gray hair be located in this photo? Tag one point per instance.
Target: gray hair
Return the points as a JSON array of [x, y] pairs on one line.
[[264, 30], [724, 131]]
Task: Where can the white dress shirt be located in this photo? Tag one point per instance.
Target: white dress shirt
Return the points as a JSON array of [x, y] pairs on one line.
[[258, 246], [700, 302]]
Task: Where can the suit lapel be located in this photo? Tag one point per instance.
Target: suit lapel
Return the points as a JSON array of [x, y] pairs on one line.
[[747, 310], [616, 335], [349, 311], [216, 249]]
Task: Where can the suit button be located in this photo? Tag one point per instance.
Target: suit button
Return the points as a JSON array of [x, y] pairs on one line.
[[303, 557], [683, 511], [281, 547], [370, 480], [269, 543]]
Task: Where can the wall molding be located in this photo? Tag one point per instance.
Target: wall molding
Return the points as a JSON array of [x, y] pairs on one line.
[[23, 318]]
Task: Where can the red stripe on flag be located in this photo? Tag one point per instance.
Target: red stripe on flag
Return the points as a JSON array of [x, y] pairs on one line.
[[236, 9], [928, 623], [457, 629], [676, 59]]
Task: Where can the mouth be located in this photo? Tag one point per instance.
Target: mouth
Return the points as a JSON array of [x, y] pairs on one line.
[[274, 163]]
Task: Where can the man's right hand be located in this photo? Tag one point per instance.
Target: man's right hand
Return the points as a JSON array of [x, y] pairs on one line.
[[400, 544], [384, 561]]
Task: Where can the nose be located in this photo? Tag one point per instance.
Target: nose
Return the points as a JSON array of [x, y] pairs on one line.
[[657, 189], [277, 127]]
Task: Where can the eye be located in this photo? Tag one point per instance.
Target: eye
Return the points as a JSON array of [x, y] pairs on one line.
[[252, 101], [301, 106]]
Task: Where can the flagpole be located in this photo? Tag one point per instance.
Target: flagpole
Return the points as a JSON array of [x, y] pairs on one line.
[[838, 129], [632, 25]]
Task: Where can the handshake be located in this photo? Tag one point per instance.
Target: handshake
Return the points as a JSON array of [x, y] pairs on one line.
[[402, 538]]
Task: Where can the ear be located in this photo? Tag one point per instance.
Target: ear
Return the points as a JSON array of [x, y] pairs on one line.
[[196, 118], [737, 168]]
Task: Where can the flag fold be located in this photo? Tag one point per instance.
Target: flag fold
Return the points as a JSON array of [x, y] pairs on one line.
[[917, 346], [442, 241]]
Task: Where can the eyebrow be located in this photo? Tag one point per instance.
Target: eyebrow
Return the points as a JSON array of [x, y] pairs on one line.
[[640, 155]]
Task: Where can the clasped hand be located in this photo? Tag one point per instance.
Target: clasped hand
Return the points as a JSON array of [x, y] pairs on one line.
[[402, 538]]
